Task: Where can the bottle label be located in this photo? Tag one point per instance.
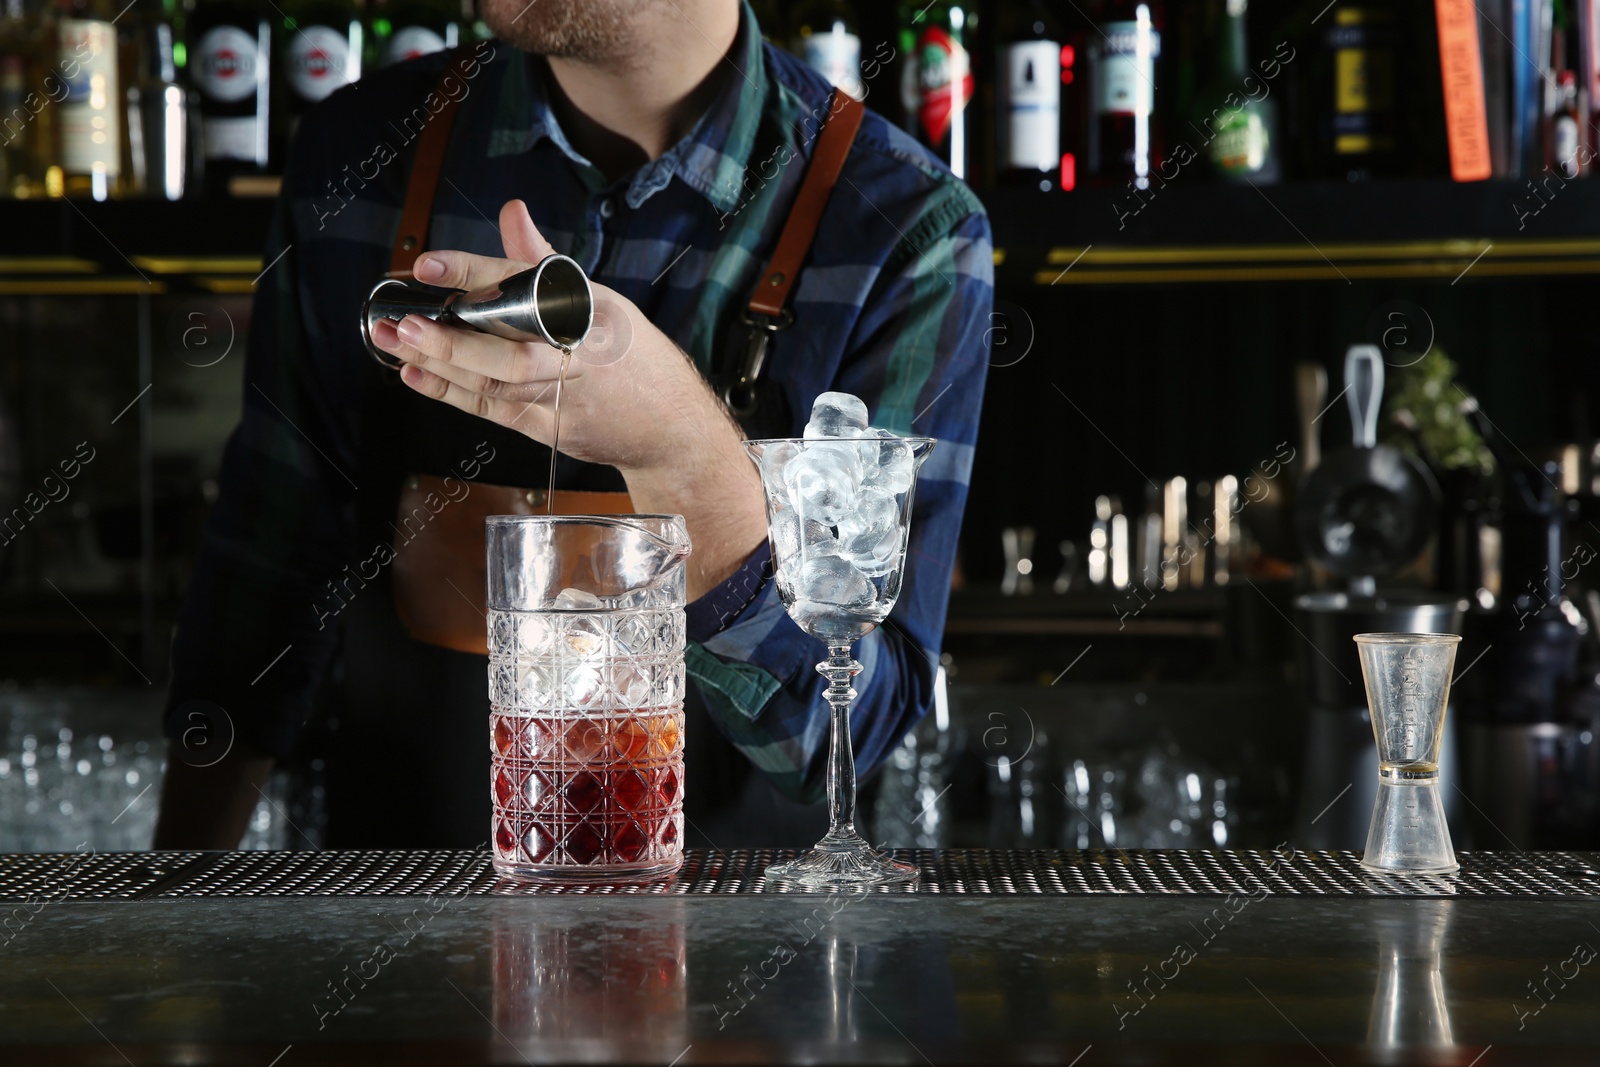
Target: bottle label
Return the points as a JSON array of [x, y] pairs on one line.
[[409, 42], [939, 83], [1240, 144], [1363, 82], [233, 138], [1032, 87], [836, 55], [91, 133], [1352, 89], [1564, 145], [317, 62], [1125, 78], [224, 66]]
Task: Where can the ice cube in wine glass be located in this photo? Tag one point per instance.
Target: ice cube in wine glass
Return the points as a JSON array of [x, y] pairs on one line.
[[837, 415], [833, 580], [876, 515], [893, 466], [821, 484]]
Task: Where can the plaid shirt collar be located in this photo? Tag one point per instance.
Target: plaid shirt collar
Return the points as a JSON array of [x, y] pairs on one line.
[[711, 159]]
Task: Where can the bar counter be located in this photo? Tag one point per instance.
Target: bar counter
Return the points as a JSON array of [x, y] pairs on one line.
[[286, 959]]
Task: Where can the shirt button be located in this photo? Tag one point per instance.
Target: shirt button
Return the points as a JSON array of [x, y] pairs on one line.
[[607, 208]]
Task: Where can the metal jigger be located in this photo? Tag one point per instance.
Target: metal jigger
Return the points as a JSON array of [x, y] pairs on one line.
[[1408, 686], [550, 302]]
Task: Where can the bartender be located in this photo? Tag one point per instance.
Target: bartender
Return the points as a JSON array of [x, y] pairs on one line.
[[664, 147]]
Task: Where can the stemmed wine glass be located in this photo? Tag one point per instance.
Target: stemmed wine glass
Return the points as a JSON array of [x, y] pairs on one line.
[[838, 515]]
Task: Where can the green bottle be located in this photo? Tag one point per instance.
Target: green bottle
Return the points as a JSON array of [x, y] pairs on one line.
[[1236, 113], [937, 81]]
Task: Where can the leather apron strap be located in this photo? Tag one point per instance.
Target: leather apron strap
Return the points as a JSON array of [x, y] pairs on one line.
[[410, 241], [771, 295], [768, 309]]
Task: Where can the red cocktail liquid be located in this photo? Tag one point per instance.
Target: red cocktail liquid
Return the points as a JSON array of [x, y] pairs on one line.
[[597, 796]]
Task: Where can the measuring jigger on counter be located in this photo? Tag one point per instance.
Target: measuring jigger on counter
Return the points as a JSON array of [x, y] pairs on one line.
[[1408, 687], [549, 302]]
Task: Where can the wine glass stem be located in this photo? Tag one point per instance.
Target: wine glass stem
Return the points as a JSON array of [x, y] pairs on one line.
[[839, 669]]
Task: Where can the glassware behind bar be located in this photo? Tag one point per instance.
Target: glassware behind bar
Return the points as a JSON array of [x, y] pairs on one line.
[[586, 680], [838, 517]]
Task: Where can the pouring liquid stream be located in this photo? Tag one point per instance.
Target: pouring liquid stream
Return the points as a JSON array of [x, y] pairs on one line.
[[555, 435]]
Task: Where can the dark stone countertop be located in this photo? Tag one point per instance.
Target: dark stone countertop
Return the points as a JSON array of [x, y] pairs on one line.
[[1267, 978]]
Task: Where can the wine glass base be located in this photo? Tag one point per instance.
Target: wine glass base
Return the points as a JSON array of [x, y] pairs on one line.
[[843, 861]]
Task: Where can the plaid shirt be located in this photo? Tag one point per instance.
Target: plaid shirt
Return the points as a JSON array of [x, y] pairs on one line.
[[893, 306]]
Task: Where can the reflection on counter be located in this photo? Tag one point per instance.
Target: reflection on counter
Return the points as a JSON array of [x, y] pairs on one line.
[[1410, 1006], [557, 982]]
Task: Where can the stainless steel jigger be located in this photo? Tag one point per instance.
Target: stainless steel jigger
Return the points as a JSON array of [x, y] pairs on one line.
[[550, 302]]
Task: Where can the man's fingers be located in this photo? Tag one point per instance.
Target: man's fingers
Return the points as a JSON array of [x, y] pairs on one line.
[[463, 270], [483, 385], [524, 246], [512, 362], [520, 236], [528, 417], [448, 359]]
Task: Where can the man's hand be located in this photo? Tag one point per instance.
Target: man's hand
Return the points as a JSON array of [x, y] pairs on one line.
[[635, 402], [633, 410]]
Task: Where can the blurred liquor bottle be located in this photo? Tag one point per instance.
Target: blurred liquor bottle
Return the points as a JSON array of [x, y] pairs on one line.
[[1235, 115], [320, 45], [230, 65], [1359, 93], [1565, 124], [937, 80], [406, 29], [828, 37], [164, 154], [1566, 103], [1029, 118], [476, 29], [1584, 59], [89, 125], [29, 94], [1125, 136]]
